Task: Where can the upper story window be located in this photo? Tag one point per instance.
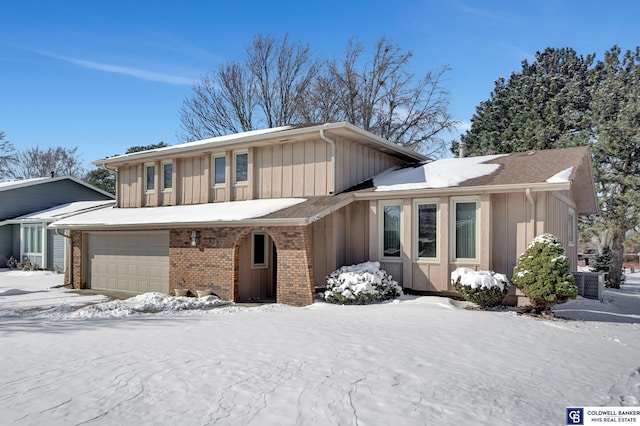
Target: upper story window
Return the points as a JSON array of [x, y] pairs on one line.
[[219, 173], [465, 238], [167, 176], [390, 229], [572, 228], [150, 177], [241, 167], [426, 229]]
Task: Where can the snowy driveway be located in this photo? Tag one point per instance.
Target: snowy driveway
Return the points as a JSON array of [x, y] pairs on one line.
[[418, 361]]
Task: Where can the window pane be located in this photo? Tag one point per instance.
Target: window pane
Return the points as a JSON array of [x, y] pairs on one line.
[[167, 174], [427, 230], [259, 254], [151, 171], [391, 231], [466, 230], [241, 167], [25, 240], [38, 239], [218, 166]]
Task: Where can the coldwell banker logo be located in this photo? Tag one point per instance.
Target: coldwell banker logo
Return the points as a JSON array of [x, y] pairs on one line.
[[575, 416]]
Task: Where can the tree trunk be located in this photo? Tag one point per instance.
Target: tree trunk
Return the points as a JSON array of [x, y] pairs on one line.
[[617, 258]]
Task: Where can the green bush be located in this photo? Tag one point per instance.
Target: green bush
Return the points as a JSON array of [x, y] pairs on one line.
[[484, 288], [542, 272], [361, 284]]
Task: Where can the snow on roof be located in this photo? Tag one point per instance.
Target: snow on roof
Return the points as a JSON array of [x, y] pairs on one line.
[[562, 176], [436, 174], [20, 182], [217, 139], [65, 210], [176, 215]]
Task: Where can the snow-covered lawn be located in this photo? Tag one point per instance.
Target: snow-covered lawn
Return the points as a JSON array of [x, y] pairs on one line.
[[419, 360]]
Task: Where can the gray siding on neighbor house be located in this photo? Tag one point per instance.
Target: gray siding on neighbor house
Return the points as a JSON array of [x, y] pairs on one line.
[[29, 199], [6, 244], [55, 255]]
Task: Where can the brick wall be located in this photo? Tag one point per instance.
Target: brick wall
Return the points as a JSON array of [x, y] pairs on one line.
[[75, 275]]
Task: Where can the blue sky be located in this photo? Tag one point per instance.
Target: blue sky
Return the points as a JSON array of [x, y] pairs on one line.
[[107, 75]]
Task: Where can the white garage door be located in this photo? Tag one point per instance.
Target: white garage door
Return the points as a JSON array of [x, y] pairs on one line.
[[136, 262]]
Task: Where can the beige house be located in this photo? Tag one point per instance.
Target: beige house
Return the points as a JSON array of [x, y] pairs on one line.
[[266, 215]]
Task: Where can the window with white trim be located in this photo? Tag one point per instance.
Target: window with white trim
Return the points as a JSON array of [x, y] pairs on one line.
[[390, 229], [32, 240], [149, 177], [241, 166], [219, 173], [259, 250], [167, 175], [426, 229], [465, 231], [572, 227]]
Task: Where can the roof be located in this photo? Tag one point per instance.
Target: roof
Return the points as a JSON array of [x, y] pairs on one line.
[[225, 213], [23, 183], [554, 169], [282, 134], [62, 211]]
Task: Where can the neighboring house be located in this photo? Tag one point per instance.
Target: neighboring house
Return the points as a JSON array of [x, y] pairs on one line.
[[268, 214], [28, 206]]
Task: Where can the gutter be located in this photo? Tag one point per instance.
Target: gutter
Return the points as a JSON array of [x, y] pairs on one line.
[[115, 171], [332, 144]]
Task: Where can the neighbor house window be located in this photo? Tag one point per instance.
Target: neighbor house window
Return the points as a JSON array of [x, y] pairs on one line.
[[32, 240], [219, 165], [572, 227], [167, 176], [390, 228], [466, 229], [149, 177], [241, 167], [426, 229], [259, 250]]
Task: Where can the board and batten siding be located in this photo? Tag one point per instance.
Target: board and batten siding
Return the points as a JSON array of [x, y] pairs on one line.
[[557, 211], [130, 186], [356, 163], [193, 180], [55, 251]]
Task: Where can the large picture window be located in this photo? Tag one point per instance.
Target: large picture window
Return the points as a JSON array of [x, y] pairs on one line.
[[465, 229], [241, 167], [32, 240], [149, 177], [426, 229], [391, 247]]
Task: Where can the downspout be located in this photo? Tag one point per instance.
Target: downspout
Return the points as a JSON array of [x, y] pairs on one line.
[[104, 166], [532, 203], [332, 144]]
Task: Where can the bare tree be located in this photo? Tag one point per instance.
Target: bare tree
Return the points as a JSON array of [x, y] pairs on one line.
[[36, 162], [280, 83], [267, 89], [380, 95], [7, 157]]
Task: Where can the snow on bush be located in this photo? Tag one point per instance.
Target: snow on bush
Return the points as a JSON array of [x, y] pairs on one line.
[[361, 284], [485, 288], [542, 272]]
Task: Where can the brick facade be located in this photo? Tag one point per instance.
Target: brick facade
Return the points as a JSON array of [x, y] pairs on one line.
[[213, 264]]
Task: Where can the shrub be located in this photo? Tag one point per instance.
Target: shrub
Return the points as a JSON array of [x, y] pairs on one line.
[[360, 284], [542, 272], [484, 288]]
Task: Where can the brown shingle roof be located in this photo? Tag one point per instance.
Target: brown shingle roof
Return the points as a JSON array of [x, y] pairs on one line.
[[531, 166]]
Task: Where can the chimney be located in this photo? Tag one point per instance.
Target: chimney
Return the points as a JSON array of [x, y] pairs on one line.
[[462, 149]]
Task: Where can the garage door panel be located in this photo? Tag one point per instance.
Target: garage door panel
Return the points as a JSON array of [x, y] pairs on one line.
[[128, 261]]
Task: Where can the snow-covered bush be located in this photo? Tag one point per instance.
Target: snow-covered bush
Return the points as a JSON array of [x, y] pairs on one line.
[[542, 272], [484, 288], [361, 284]]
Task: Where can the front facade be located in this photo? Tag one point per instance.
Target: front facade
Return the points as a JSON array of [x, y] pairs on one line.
[[266, 215]]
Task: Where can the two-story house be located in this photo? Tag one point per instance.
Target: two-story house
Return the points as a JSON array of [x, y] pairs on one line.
[[268, 214]]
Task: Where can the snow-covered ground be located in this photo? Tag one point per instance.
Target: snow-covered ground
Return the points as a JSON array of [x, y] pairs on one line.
[[420, 360]]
